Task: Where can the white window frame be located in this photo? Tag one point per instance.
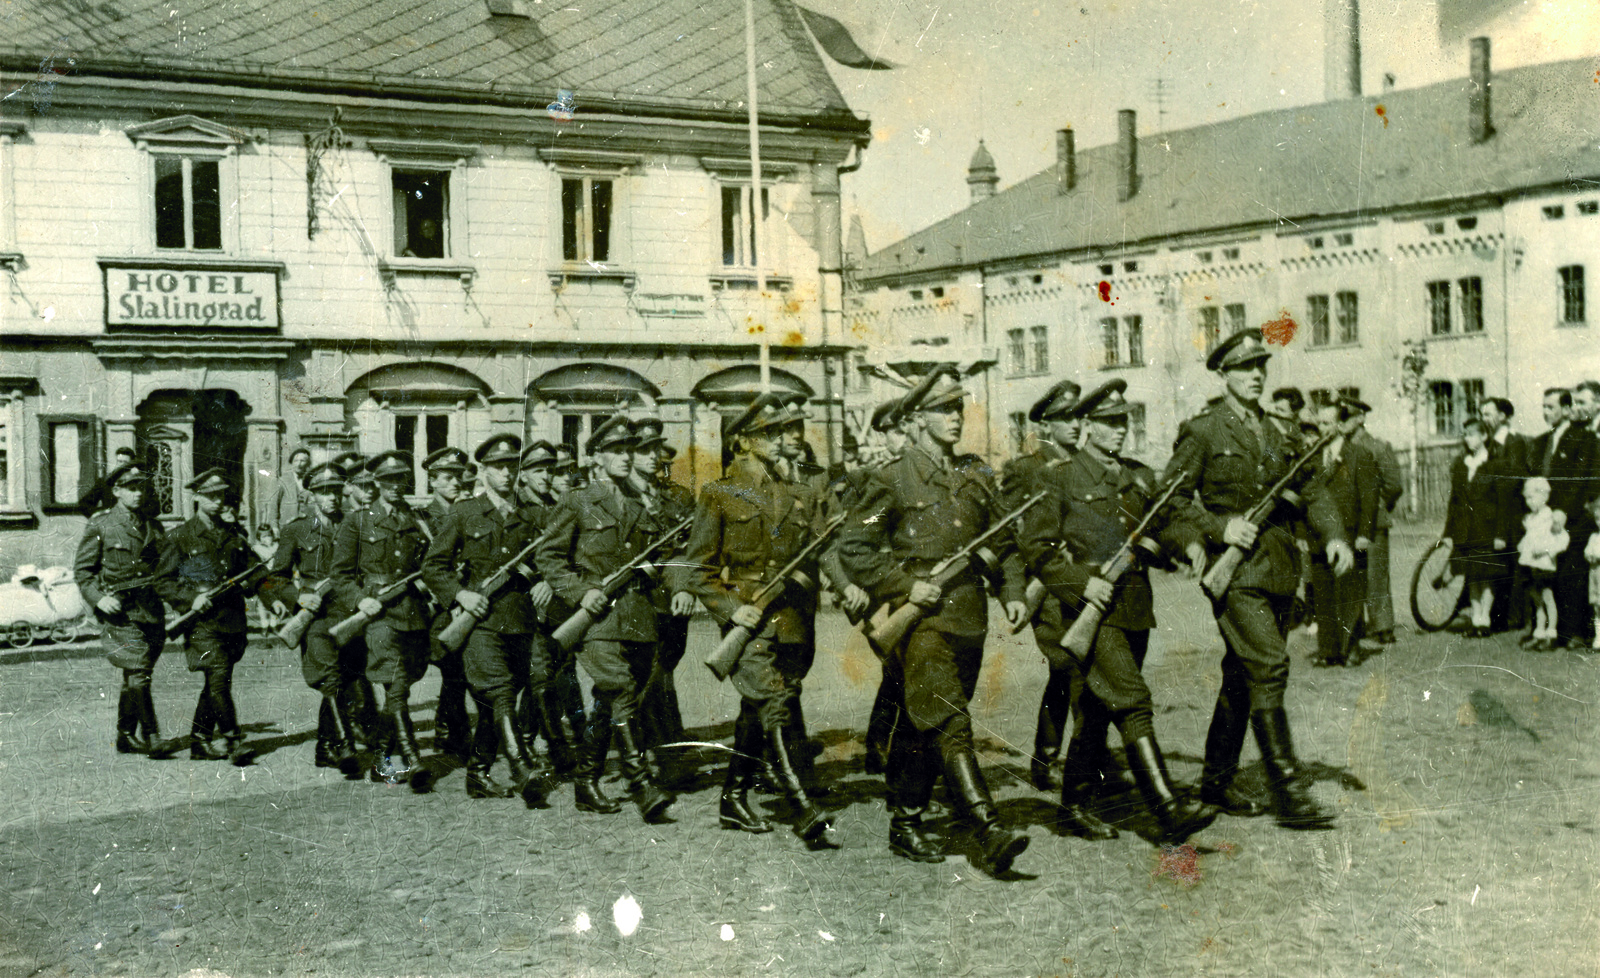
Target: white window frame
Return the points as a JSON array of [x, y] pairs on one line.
[[454, 160], [190, 138], [14, 417]]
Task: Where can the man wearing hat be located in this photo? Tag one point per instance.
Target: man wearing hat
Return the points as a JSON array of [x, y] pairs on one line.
[[120, 549], [1095, 500], [446, 470], [476, 539], [747, 526], [919, 510], [597, 530], [1347, 478], [376, 547], [1228, 456], [303, 561], [200, 554]]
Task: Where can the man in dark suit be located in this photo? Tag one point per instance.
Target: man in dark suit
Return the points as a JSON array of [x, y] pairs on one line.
[[1510, 453], [1574, 474], [1391, 486], [1347, 477]]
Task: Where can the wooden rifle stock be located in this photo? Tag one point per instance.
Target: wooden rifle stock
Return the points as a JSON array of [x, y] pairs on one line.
[[348, 629], [1033, 597], [294, 629], [183, 621], [571, 631], [462, 621]]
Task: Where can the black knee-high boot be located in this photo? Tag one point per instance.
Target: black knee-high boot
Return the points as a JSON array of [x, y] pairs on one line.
[[734, 811]]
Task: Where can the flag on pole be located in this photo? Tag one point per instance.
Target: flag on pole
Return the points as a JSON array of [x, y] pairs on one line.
[[850, 35]]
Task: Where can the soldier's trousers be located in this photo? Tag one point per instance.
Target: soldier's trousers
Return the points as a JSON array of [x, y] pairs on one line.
[[769, 676], [1338, 606], [619, 670], [134, 648], [498, 665], [396, 658], [938, 673], [324, 665], [659, 709], [1255, 661], [213, 655], [1380, 591]]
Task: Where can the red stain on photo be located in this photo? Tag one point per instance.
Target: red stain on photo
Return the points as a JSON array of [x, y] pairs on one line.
[[1105, 291], [1180, 864], [1383, 114], [1280, 330]]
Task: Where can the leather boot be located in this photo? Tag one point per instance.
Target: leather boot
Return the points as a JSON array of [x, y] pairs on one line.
[[880, 728], [803, 753], [586, 793], [128, 739], [327, 749], [200, 745], [1296, 809], [239, 753], [345, 757], [813, 824], [381, 741], [414, 773], [527, 775], [906, 838], [1077, 818], [485, 747], [910, 778], [157, 749], [735, 811], [1224, 741], [999, 844], [1178, 817], [651, 799], [558, 741], [452, 734], [1083, 775]]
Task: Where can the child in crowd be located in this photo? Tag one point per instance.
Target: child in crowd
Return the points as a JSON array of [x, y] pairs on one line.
[[1591, 553], [1544, 536]]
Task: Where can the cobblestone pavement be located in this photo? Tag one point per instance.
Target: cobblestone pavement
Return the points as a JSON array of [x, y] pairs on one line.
[[1466, 773]]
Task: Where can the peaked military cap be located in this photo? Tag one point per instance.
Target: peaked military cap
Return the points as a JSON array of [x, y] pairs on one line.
[[668, 452], [940, 388], [128, 474], [1237, 350], [350, 462], [1355, 404], [388, 466], [208, 483], [445, 460], [1056, 402], [766, 410], [539, 455], [325, 476], [615, 433], [1103, 403], [499, 448], [649, 426], [886, 415]]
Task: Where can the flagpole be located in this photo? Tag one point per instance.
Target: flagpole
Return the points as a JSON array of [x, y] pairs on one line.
[[757, 216]]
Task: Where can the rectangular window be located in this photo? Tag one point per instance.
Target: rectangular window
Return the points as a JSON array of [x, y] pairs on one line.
[[1354, 393], [1317, 313], [1017, 341], [586, 219], [1554, 212], [1230, 254], [1572, 298], [1211, 327], [1439, 308], [1133, 334], [1348, 312], [1442, 394], [1041, 349], [1108, 337], [1233, 314], [188, 193], [738, 225], [13, 498], [1137, 433], [1471, 292], [1469, 393], [421, 209], [421, 435], [70, 469]]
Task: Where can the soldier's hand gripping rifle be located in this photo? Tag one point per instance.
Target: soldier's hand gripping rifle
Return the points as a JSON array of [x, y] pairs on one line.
[[348, 629], [462, 621], [886, 632], [726, 655], [185, 620], [1080, 637], [294, 629], [572, 630], [1221, 573]]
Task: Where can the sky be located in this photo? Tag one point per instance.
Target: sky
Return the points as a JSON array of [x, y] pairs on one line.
[[1012, 72]]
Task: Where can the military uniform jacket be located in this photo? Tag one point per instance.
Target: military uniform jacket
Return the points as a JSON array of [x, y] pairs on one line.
[[1019, 479], [666, 505], [304, 559], [474, 542], [593, 532], [1091, 508], [118, 546], [1227, 468], [199, 555], [372, 550], [747, 527], [915, 513]]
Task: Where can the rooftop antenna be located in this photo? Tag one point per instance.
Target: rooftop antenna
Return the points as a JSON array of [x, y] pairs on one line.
[[1159, 92]]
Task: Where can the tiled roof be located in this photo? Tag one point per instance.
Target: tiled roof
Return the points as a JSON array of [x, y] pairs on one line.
[[685, 55], [1290, 165]]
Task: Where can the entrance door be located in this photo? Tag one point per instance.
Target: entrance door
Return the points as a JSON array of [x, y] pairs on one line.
[[182, 433]]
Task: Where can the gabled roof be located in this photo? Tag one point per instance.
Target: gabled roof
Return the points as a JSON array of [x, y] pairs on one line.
[[677, 55], [1335, 159]]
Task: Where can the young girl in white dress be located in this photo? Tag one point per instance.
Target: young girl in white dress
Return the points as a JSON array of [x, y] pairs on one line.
[[1544, 536]]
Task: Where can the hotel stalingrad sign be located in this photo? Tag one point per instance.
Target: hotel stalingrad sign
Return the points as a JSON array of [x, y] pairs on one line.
[[203, 296]]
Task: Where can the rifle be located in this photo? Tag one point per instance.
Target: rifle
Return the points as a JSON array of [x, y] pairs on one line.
[[1221, 573], [726, 655], [131, 585], [572, 630], [1080, 636], [463, 621], [215, 591], [294, 629], [886, 632], [347, 629]]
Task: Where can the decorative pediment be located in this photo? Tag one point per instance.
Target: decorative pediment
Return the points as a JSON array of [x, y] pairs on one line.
[[423, 152], [186, 132]]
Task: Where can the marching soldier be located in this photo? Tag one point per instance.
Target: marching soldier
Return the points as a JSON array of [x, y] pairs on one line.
[[747, 526], [452, 731], [361, 699], [1095, 500], [1229, 455], [918, 510], [115, 569], [375, 548], [595, 531], [547, 712], [854, 601], [200, 554], [475, 540], [304, 560]]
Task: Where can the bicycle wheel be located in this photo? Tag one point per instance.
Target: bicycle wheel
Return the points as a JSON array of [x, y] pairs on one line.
[[1437, 592]]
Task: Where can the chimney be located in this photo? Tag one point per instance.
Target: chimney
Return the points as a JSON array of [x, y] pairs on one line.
[[1341, 70], [1478, 92], [1127, 155], [1066, 161]]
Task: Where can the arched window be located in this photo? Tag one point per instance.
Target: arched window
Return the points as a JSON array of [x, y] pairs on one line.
[[418, 408], [565, 404]]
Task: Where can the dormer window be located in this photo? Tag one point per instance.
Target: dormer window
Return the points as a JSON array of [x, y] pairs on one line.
[[191, 175]]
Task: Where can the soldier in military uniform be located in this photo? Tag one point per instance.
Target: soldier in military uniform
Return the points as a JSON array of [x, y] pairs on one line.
[[452, 730], [1228, 456], [115, 568], [919, 510], [595, 531], [376, 547], [544, 712], [854, 601], [747, 526], [301, 565], [475, 540], [1095, 500], [200, 554]]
